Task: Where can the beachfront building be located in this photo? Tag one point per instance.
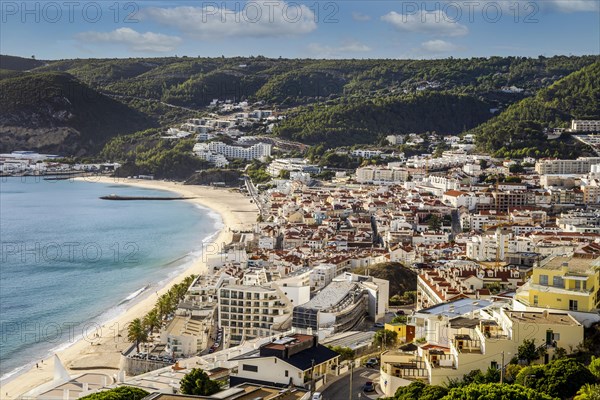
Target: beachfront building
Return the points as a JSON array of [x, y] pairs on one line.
[[465, 337], [295, 360], [256, 151], [188, 333], [563, 283], [343, 305], [247, 312]]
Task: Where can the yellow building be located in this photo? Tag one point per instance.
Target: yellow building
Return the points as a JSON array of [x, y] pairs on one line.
[[489, 343], [406, 333], [563, 283]]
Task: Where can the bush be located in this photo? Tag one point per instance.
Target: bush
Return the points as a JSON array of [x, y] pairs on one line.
[[120, 393]]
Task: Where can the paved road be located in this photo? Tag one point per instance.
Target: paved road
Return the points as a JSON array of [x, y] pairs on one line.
[[338, 390]]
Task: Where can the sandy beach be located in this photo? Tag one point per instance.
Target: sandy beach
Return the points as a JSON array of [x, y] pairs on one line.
[[100, 350]]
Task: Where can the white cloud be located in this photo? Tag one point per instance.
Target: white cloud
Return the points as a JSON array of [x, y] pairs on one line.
[[252, 19], [325, 51], [574, 5], [135, 41], [440, 46], [360, 17], [433, 23]]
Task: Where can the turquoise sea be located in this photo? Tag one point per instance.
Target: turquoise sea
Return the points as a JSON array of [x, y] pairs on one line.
[[69, 260]]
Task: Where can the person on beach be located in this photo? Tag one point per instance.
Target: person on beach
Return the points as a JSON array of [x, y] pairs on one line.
[[36, 365]]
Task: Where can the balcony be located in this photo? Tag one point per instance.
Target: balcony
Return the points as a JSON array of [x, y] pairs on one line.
[[465, 344]]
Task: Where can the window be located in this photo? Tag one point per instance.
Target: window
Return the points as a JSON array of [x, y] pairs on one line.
[[572, 305], [251, 368], [558, 282], [494, 365], [556, 336], [287, 373], [544, 280], [536, 299], [577, 285]]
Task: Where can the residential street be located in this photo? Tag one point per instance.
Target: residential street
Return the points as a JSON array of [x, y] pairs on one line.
[[338, 390]]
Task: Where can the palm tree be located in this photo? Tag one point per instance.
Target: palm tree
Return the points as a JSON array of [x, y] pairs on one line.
[[164, 305], [136, 333], [152, 320]]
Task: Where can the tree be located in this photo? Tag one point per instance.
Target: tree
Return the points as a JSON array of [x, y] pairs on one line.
[[197, 382], [399, 319], [594, 366], [527, 351], [152, 320], [136, 333], [120, 393], [588, 392], [385, 338], [345, 353], [434, 223], [561, 378], [493, 391]]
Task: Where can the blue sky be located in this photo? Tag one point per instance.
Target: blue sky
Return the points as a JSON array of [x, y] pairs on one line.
[[317, 29]]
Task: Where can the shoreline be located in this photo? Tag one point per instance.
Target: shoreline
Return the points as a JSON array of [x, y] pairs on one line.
[[101, 354]]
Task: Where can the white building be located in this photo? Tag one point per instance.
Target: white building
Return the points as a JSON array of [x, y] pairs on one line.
[[381, 175], [580, 125], [253, 311]]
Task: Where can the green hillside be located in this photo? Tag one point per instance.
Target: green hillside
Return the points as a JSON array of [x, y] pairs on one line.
[[520, 128], [55, 112], [368, 120]]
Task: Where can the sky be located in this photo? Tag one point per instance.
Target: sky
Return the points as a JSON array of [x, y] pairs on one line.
[[397, 29]]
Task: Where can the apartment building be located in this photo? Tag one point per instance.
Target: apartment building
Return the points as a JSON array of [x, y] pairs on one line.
[[482, 339], [582, 125], [381, 175], [253, 152], [582, 165], [291, 164], [461, 279], [562, 283], [248, 312]]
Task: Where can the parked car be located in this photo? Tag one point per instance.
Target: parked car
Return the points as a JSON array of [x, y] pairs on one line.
[[369, 387], [379, 325], [317, 396], [372, 363], [400, 312]]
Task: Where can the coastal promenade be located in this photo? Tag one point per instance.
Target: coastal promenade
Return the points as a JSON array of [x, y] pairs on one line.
[[100, 351]]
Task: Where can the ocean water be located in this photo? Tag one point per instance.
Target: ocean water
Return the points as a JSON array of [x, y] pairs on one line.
[[70, 261]]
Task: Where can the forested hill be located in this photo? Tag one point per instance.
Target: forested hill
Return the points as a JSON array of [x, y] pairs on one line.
[[520, 129], [360, 100], [54, 112], [366, 121], [194, 82]]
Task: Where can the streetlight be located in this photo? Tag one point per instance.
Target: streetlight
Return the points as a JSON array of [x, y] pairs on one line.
[[350, 389], [502, 368]]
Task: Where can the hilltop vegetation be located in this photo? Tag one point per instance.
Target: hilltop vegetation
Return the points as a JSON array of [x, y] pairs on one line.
[[146, 153], [55, 112], [19, 63], [335, 102], [521, 127], [369, 120], [191, 81]]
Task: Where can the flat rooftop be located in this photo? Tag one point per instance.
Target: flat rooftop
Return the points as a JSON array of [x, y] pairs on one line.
[[456, 308], [543, 318], [575, 264], [331, 295]]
